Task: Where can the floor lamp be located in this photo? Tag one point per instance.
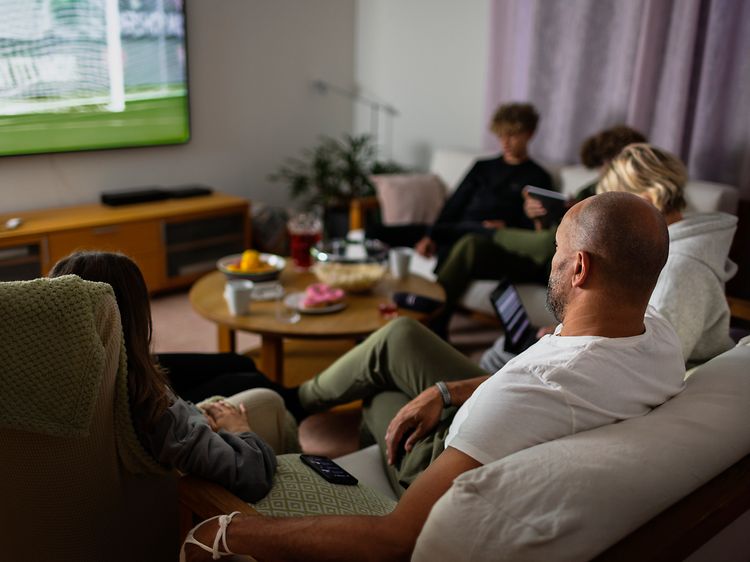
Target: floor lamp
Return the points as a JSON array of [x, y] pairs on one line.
[[323, 88]]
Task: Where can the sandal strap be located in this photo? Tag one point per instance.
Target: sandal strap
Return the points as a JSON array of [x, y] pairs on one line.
[[221, 535]]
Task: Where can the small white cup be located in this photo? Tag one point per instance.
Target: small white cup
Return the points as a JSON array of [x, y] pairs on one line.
[[399, 259], [238, 294]]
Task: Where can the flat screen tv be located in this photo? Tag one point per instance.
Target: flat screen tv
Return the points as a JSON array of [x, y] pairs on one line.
[[92, 74]]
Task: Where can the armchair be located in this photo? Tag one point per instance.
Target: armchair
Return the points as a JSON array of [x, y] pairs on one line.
[[72, 479]]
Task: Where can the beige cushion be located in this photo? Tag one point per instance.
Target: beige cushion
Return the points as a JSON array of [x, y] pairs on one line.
[[409, 198], [572, 498]]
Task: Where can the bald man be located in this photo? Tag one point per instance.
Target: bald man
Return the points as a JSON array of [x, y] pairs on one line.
[[610, 359]]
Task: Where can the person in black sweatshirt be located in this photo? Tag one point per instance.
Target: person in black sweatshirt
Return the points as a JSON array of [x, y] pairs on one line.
[[488, 198]]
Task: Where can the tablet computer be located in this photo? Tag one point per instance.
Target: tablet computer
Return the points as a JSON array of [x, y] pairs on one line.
[[519, 333], [554, 202]]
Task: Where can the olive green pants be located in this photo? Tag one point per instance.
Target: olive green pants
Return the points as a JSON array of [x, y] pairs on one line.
[[386, 371], [482, 257]]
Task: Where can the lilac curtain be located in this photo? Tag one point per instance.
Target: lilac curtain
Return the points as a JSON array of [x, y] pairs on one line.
[[678, 70]]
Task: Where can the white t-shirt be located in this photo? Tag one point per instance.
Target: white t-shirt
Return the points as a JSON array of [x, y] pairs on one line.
[[566, 384]]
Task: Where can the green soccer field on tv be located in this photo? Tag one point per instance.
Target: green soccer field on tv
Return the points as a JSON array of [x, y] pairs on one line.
[[92, 74]]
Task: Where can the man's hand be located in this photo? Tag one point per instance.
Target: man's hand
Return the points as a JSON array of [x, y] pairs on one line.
[[422, 414], [497, 225], [426, 247], [226, 416]]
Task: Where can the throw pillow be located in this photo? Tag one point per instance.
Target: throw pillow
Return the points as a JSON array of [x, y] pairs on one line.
[[409, 198], [298, 490]]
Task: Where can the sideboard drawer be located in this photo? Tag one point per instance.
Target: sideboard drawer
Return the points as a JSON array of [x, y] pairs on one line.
[[133, 238]]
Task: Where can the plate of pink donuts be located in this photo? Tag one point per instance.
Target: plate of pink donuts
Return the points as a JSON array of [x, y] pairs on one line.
[[318, 298]]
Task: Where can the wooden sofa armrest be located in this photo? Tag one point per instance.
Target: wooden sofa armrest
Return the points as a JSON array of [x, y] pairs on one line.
[[687, 525], [357, 209], [200, 499], [739, 308]]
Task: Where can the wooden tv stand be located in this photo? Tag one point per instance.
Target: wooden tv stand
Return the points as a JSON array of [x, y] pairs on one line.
[[174, 241]]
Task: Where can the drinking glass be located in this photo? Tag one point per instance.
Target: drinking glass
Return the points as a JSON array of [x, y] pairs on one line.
[[285, 313], [305, 230]]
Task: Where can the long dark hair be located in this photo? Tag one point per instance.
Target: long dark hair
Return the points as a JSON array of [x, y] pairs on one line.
[[147, 382]]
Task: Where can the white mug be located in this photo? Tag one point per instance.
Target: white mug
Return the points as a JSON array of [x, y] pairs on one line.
[[399, 261], [238, 294]]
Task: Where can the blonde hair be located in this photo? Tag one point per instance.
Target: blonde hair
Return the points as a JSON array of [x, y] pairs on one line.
[[644, 169]]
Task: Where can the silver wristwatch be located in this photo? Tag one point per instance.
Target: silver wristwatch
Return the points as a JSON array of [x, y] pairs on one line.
[[446, 395]]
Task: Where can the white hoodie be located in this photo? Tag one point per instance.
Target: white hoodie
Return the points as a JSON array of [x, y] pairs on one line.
[[690, 289]]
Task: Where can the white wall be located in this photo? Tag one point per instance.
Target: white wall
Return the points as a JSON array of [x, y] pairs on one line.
[[428, 59], [251, 63]]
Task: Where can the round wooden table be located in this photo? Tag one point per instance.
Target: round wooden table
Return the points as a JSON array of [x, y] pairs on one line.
[[359, 319]]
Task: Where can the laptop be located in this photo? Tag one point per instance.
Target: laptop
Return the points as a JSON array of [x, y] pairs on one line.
[[519, 333]]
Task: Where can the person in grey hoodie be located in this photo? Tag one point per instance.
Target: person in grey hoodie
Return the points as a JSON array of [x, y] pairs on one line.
[[216, 442], [690, 290]]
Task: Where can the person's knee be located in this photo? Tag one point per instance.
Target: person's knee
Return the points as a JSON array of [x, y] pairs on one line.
[[469, 243], [259, 400], [401, 327], [463, 252]]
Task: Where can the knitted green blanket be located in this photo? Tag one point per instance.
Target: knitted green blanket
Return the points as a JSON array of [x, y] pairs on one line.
[[52, 358]]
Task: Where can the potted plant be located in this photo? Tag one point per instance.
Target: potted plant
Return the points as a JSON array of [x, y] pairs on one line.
[[331, 174]]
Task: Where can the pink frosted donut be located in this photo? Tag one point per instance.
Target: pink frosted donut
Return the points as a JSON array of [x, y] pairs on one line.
[[319, 295]]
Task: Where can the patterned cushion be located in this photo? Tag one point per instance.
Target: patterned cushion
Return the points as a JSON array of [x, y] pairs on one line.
[[298, 490]]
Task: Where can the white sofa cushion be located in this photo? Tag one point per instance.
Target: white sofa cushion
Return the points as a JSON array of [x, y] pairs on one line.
[[571, 498], [573, 178], [367, 465], [707, 197]]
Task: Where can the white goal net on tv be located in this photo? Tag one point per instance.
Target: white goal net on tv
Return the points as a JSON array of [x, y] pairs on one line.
[[59, 55]]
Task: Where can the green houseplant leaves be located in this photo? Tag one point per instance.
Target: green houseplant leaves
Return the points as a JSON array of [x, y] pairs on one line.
[[334, 172]]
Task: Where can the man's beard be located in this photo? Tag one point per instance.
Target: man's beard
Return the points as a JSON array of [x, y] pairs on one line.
[[556, 297]]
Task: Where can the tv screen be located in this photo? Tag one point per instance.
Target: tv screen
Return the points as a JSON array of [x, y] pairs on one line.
[[92, 74]]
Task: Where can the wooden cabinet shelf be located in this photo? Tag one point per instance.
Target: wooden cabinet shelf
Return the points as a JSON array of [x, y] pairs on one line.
[[173, 241]]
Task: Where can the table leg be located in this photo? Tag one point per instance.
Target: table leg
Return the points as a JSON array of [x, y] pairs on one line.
[[272, 357], [227, 341]]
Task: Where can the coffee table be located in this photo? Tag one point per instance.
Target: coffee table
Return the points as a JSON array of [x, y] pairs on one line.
[[359, 319]]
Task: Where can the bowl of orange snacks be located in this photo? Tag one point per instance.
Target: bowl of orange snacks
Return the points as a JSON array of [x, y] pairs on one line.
[[251, 265]]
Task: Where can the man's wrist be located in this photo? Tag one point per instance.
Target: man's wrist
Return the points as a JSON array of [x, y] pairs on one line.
[[444, 394]]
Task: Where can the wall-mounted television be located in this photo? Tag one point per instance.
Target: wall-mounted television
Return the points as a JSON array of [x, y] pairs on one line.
[[92, 74]]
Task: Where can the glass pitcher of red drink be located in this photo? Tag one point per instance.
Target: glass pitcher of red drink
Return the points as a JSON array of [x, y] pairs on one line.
[[305, 230]]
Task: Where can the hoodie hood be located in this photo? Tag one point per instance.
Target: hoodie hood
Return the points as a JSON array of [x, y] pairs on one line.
[[706, 237]]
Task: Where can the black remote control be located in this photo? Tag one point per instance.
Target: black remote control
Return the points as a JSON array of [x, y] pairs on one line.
[[329, 470], [413, 301]]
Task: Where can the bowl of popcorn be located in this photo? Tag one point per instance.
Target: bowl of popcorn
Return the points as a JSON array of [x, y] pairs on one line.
[[252, 266], [355, 267]]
